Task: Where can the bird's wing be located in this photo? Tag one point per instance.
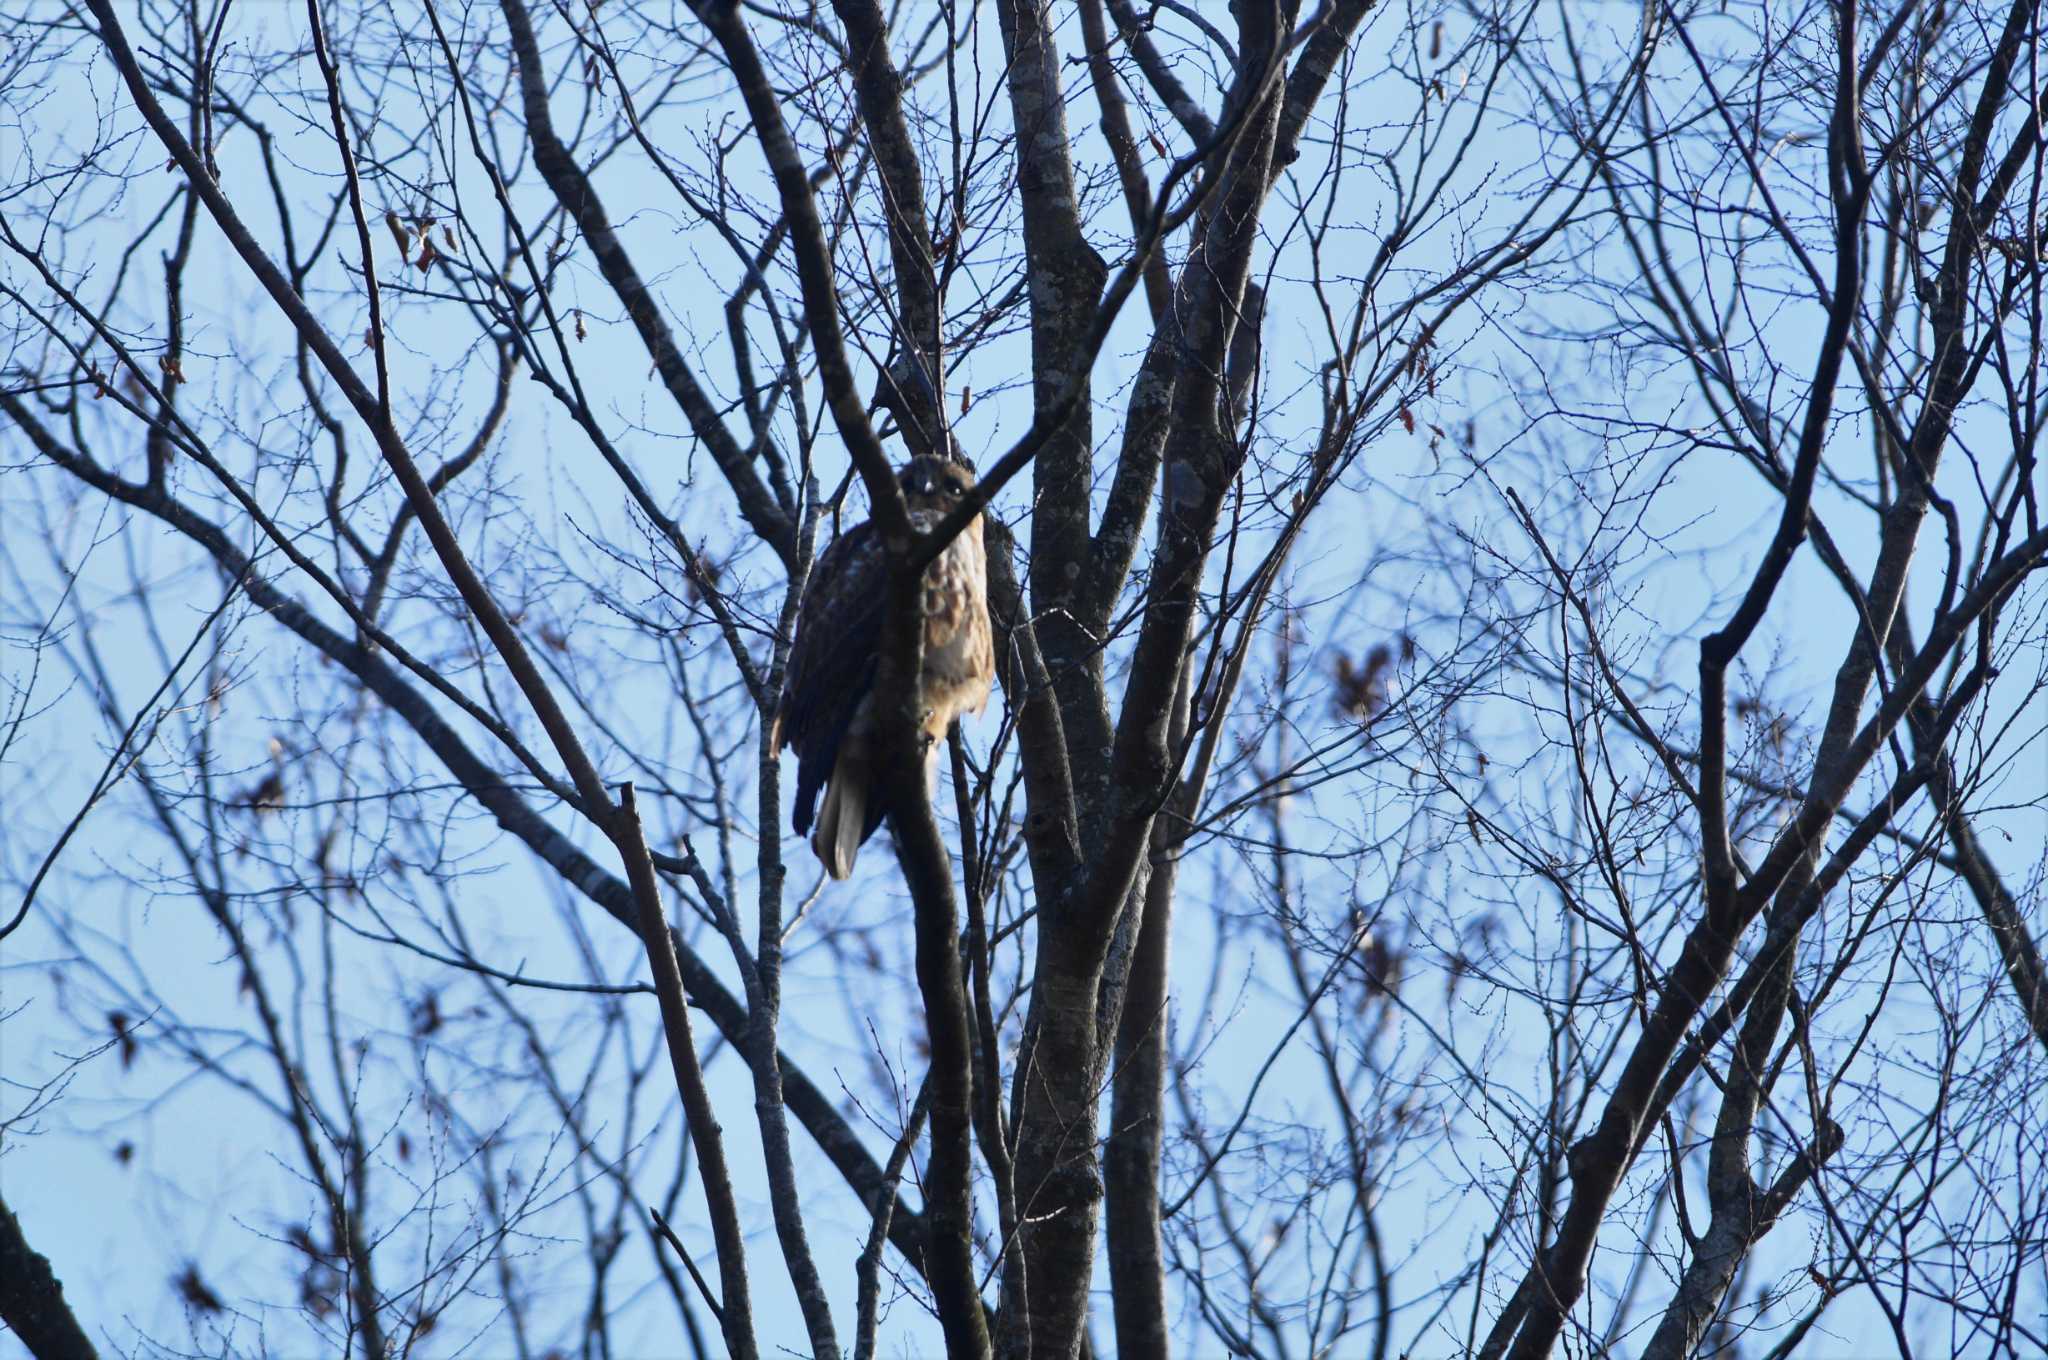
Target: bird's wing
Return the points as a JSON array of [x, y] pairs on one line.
[[832, 658]]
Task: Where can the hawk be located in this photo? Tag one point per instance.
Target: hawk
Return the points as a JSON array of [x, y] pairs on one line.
[[827, 709]]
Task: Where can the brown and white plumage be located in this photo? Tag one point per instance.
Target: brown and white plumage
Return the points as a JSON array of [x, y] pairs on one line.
[[827, 709]]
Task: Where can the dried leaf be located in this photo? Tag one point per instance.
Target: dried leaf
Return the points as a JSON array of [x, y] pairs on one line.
[[267, 796], [1362, 689], [194, 1292], [124, 1037]]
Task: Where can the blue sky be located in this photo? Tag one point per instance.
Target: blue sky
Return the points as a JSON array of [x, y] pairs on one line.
[[210, 1181]]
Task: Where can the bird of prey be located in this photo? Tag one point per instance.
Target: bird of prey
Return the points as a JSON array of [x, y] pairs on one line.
[[828, 707]]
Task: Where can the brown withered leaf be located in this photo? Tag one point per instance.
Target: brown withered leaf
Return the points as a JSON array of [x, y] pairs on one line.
[[713, 572], [1381, 964], [426, 1015], [268, 795], [194, 1291], [1361, 689], [317, 1286], [124, 1037]]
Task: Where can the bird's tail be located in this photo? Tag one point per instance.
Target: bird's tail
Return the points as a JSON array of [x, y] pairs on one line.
[[843, 821], [853, 809]]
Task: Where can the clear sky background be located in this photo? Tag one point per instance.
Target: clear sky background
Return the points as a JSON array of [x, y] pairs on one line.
[[208, 1180]]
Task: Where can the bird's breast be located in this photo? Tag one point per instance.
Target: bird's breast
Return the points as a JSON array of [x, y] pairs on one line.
[[959, 659]]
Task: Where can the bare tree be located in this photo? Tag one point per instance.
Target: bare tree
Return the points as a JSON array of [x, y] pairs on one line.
[[1422, 891]]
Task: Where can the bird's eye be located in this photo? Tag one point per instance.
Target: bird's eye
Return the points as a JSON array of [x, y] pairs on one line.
[[955, 485]]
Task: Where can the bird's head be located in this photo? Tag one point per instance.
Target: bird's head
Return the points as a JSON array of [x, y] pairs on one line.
[[934, 483]]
